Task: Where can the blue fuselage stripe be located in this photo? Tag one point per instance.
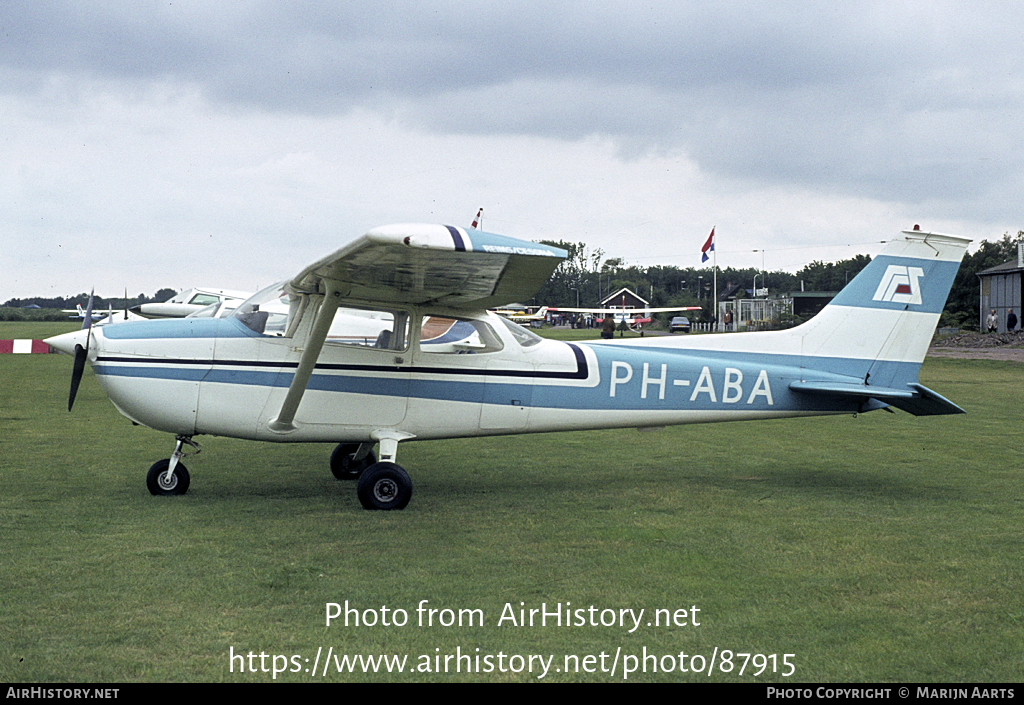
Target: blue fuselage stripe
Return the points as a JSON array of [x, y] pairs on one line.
[[656, 379]]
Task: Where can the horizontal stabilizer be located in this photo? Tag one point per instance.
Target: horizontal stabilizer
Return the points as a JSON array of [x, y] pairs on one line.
[[929, 403], [917, 399]]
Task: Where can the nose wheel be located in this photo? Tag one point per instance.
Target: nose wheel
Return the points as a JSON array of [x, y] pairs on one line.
[[160, 482], [170, 476]]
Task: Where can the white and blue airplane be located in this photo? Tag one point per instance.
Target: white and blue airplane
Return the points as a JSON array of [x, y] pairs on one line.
[[389, 339]]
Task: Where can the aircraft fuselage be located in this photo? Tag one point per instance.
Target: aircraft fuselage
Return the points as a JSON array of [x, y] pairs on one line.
[[217, 377]]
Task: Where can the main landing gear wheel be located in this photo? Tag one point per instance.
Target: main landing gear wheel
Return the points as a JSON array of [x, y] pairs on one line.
[[344, 466], [158, 484], [384, 486]]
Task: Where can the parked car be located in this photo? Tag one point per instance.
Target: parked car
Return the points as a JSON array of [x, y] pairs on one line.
[[679, 323]]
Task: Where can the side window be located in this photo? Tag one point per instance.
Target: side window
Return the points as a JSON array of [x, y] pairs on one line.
[[369, 328], [457, 336]]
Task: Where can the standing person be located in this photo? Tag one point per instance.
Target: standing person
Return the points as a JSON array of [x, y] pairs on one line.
[[608, 327], [1011, 320], [992, 322]]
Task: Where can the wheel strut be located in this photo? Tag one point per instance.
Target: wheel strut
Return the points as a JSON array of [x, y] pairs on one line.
[[176, 455]]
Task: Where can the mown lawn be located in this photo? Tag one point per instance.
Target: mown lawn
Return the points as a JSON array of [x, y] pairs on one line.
[[874, 548]]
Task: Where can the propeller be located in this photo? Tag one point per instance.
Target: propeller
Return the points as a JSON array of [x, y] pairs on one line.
[[81, 354]]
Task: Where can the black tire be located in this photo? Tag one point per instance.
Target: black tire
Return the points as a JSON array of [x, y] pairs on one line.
[[384, 486], [157, 485], [344, 465]]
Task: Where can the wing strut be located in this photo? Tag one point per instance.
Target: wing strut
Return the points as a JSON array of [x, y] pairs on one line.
[[285, 421]]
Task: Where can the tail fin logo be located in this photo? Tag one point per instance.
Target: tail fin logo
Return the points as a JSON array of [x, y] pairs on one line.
[[900, 285]]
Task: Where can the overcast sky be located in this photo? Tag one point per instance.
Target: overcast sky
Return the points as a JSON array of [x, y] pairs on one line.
[[183, 142]]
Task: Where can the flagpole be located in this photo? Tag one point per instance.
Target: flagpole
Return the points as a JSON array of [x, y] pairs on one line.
[[714, 263], [710, 245]]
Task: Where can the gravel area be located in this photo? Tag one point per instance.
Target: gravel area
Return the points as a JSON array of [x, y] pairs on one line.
[[980, 346]]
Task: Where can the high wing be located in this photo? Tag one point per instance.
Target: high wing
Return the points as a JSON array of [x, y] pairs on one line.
[[416, 265], [520, 317], [434, 264]]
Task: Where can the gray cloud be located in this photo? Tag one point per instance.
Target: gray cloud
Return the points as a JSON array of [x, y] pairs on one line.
[[913, 105]]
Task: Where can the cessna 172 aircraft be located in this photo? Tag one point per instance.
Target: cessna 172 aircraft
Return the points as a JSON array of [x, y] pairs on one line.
[[389, 339]]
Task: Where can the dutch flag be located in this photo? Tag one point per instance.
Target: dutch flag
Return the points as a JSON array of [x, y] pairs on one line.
[[709, 246]]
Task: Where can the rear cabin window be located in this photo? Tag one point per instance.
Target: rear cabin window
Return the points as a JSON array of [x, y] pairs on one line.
[[457, 336]]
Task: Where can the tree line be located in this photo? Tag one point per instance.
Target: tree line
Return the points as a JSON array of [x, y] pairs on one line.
[[39, 308], [586, 277]]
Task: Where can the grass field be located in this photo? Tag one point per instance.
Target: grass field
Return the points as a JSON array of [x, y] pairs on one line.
[[874, 548]]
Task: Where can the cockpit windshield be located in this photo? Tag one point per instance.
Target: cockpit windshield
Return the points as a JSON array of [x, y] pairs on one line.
[[523, 336], [267, 312]]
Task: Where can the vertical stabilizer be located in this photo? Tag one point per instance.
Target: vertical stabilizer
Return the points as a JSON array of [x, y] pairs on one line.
[[881, 323]]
